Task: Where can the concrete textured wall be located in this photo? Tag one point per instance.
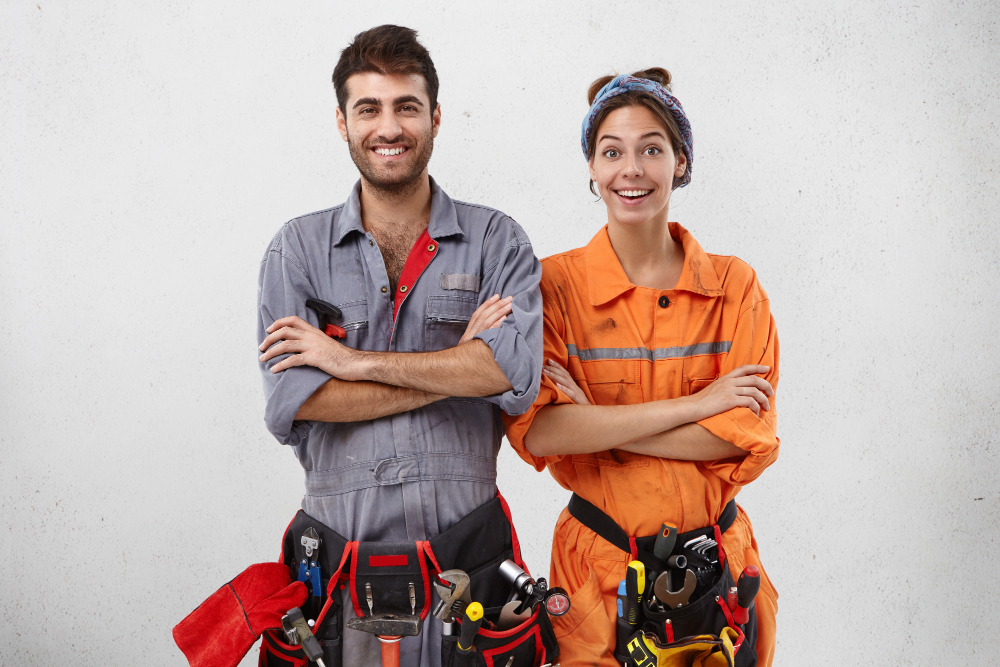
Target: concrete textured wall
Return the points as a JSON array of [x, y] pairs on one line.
[[849, 151]]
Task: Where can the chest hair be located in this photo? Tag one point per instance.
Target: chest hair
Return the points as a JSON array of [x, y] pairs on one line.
[[395, 244]]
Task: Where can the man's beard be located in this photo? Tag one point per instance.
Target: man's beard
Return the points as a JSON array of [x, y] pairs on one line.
[[395, 181]]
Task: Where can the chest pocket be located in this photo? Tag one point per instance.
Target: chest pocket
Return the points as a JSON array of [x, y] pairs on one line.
[[447, 318], [613, 381], [355, 323]]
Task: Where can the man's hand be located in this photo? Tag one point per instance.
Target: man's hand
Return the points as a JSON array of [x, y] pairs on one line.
[[740, 388], [310, 347], [489, 315], [565, 382]]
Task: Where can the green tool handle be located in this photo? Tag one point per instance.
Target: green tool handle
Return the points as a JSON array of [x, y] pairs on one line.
[[307, 640]]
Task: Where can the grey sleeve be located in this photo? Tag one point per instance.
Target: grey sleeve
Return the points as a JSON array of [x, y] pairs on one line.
[[282, 290], [511, 268]]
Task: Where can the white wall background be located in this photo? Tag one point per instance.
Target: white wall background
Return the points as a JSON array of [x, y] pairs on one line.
[[848, 151]]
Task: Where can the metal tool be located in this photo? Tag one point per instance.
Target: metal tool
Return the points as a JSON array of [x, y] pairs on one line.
[[510, 662], [295, 620], [390, 629], [309, 566], [413, 599], [369, 598], [665, 541], [679, 561], [470, 627], [532, 592], [510, 617], [326, 312], [674, 599], [746, 591], [454, 596]]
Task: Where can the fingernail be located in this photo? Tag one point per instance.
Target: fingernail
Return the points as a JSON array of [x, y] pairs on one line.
[[260, 358]]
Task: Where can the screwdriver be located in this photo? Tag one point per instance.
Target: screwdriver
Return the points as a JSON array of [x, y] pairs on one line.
[[307, 640], [665, 541], [635, 585], [746, 591], [470, 626]]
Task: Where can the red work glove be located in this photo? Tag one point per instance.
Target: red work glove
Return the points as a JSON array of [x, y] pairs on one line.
[[224, 627]]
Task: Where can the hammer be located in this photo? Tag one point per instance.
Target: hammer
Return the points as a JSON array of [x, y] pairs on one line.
[[390, 629]]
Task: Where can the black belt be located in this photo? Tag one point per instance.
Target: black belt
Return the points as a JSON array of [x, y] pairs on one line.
[[599, 522]]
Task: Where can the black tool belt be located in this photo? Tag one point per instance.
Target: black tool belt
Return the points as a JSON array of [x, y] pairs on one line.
[[707, 611], [396, 578]]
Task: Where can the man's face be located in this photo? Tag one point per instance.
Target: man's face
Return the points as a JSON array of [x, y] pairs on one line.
[[389, 128]]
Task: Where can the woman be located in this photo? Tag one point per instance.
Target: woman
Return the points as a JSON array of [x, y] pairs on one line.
[[657, 401]]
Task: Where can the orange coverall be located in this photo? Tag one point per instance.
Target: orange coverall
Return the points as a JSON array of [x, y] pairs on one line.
[[627, 344]]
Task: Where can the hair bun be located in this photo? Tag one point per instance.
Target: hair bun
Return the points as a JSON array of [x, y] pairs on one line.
[[657, 74]]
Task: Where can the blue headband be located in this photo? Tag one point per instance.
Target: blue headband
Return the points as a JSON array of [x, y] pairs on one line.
[[623, 84]]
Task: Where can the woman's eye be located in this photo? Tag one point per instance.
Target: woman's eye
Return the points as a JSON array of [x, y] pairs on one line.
[[652, 150], [611, 153]]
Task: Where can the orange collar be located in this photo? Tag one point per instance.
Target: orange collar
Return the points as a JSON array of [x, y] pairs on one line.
[[606, 278]]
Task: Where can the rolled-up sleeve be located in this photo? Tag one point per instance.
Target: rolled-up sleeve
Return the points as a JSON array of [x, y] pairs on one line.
[[511, 269], [282, 290], [754, 342]]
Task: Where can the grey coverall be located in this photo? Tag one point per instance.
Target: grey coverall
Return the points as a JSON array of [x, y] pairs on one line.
[[411, 475]]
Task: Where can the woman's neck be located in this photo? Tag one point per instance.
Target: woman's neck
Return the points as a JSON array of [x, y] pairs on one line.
[[650, 256]]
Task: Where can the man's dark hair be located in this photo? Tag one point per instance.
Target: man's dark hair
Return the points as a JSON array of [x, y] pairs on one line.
[[387, 49]]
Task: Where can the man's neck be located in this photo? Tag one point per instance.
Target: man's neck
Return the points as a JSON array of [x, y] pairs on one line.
[[409, 206]]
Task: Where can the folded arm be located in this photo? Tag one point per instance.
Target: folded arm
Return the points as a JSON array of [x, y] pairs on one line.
[[658, 428]]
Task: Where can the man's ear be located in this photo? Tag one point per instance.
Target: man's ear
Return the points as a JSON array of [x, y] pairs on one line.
[[436, 121], [341, 123]]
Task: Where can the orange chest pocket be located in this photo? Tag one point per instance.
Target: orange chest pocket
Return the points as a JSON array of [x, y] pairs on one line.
[[700, 371], [612, 381]]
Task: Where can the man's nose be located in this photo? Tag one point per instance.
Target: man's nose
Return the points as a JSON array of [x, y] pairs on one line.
[[389, 126]]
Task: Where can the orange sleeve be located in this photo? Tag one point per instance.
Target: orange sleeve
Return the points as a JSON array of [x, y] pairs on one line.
[[754, 342], [554, 347]]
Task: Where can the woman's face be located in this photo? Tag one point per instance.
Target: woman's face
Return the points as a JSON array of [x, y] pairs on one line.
[[634, 165]]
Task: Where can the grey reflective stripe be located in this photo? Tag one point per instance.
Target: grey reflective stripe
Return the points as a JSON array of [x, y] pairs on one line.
[[645, 354], [462, 281], [412, 468]]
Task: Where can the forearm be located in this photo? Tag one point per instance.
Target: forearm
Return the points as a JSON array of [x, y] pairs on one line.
[[583, 429], [689, 442], [342, 401], [464, 370]]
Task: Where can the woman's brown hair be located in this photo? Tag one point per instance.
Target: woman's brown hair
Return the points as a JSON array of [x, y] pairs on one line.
[[635, 98]]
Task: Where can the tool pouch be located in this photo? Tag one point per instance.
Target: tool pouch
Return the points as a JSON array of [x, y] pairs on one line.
[[478, 544], [706, 613], [531, 643]]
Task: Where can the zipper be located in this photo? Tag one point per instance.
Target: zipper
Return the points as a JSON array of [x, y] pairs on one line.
[[448, 320]]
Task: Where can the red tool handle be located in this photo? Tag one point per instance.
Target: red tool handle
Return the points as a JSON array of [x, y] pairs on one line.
[[746, 591], [333, 331]]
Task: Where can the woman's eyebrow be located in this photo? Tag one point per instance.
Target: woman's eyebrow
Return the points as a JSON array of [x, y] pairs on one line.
[[609, 136]]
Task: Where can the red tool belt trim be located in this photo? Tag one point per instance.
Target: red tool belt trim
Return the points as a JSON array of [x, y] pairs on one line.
[[401, 560], [732, 623]]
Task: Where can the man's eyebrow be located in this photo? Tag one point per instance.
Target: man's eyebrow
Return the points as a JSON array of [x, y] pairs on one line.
[[367, 100], [405, 99]]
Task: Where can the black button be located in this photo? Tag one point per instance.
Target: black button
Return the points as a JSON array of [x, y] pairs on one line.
[[664, 302]]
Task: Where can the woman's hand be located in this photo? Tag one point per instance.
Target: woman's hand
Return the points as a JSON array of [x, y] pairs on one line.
[[740, 388], [489, 315], [565, 382]]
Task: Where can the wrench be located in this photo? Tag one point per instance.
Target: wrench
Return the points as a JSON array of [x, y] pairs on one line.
[[674, 599]]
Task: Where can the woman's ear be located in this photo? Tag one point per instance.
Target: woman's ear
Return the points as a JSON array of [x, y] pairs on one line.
[[682, 163], [590, 165]]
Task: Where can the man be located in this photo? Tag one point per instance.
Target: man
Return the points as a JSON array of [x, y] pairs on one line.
[[398, 426]]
